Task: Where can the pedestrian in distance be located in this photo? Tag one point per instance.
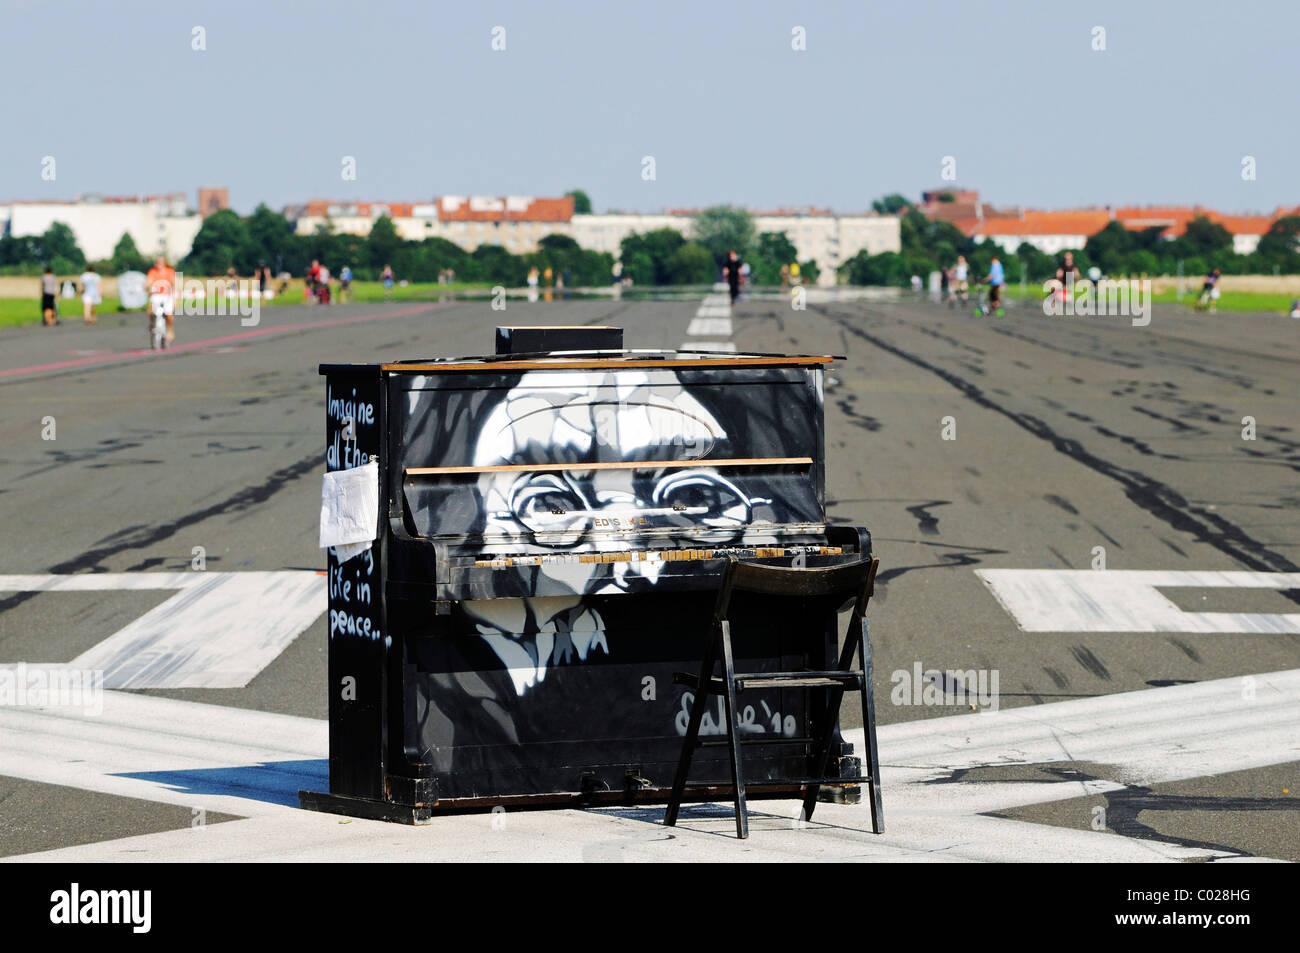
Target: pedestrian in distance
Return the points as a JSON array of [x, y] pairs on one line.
[[1068, 275], [90, 296], [49, 289], [1209, 295], [961, 279], [731, 274]]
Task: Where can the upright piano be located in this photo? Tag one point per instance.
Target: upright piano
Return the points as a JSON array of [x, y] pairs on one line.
[[553, 526]]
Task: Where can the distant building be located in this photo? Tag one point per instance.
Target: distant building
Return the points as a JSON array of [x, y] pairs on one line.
[[350, 217], [817, 234], [213, 200], [1246, 230], [830, 240], [1055, 232], [158, 224], [1049, 232], [517, 223], [605, 233]]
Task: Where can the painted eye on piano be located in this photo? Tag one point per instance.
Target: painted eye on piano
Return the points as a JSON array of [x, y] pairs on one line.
[[710, 499], [550, 503]]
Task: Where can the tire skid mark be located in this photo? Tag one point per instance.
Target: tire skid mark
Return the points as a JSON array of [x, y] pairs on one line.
[[1159, 499]]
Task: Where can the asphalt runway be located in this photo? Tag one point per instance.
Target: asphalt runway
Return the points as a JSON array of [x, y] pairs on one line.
[[998, 462]]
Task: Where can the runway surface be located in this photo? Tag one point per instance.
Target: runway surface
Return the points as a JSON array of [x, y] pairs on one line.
[[1105, 517]]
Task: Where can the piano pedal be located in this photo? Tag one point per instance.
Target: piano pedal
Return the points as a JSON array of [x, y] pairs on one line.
[[633, 782], [589, 784]]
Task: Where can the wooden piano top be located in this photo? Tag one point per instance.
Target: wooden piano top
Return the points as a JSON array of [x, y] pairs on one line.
[[584, 360]]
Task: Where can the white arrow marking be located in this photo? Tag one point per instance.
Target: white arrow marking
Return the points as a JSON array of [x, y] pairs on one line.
[[219, 631], [1119, 600]]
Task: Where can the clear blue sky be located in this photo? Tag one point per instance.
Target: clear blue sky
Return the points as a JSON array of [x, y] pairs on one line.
[[1012, 90]]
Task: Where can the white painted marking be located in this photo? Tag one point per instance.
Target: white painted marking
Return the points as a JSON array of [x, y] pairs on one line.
[[177, 741], [250, 763], [1119, 600], [710, 326], [219, 630], [727, 346]]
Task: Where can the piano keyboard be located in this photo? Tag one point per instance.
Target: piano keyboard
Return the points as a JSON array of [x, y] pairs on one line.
[[661, 555]]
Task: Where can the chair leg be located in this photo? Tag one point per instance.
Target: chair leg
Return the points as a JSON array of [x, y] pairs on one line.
[[733, 739], [869, 730], [702, 697], [833, 702]]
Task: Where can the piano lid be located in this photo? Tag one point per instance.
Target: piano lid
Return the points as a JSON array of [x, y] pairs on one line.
[[588, 360]]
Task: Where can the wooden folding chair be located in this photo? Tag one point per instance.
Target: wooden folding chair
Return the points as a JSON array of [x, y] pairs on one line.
[[850, 581]]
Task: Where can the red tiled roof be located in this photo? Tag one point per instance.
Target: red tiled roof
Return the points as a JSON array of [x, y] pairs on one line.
[[1174, 219], [350, 208], [494, 209], [1037, 223], [1244, 224], [1177, 217], [799, 211]]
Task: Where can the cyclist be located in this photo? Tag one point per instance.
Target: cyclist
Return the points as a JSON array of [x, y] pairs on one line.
[[996, 279], [161, 282]]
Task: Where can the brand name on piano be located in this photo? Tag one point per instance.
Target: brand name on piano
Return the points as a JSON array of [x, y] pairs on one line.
[[614, 522]]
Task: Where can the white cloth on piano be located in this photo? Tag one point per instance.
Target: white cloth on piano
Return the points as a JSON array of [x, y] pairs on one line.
[[349, 510]]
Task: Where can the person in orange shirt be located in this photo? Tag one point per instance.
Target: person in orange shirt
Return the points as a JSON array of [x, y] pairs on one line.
[[161, 282]]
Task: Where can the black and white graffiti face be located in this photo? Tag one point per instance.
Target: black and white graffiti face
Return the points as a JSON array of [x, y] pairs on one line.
[[531, 635], [563, 421], [559, 422]]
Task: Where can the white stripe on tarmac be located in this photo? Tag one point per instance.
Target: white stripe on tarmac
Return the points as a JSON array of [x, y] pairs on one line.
[[1119, 600], [728, 347], [187, 747], [720, 327], [219, 630], [713, 319], [1147, 737]]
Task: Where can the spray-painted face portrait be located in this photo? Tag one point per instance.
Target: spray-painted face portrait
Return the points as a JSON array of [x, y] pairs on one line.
[[570, 466]]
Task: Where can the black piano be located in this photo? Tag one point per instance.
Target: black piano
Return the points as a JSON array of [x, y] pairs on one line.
[[553, 526]]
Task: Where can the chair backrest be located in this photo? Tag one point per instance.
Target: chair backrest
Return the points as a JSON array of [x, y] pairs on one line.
[[853, 580]]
